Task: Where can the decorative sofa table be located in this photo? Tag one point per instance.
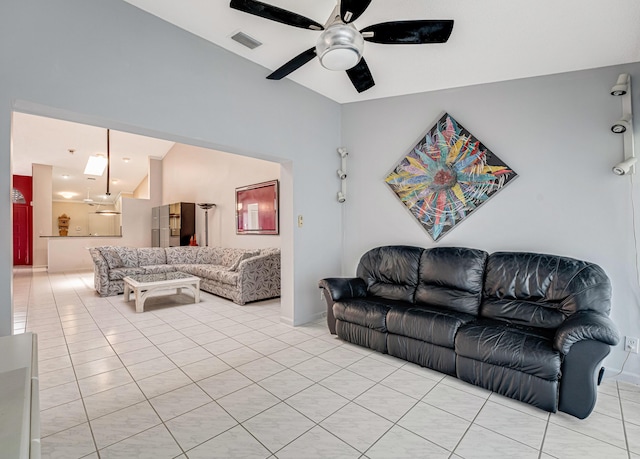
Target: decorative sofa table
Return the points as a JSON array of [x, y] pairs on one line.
[[143, 285], [529, 326]]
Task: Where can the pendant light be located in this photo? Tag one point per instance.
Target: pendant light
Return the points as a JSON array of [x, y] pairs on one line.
[[108, 193], [108, 161]]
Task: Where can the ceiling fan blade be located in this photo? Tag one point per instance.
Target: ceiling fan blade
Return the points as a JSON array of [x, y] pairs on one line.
[[293, 64], [275, 14], [360, 76], [409, 32], [350, 10]]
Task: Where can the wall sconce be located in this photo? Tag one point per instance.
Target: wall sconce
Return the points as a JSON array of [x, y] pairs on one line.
[[622, 85], [342, 173], [624, 125]]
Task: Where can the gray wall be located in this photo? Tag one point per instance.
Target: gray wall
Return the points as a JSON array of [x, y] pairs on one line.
[[554, 132], [110, 64]]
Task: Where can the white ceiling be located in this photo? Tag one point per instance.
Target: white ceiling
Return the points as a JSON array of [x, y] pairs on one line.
[[492, 40], [39, 140]]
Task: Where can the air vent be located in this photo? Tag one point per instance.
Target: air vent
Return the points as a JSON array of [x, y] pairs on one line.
[[246, 40]]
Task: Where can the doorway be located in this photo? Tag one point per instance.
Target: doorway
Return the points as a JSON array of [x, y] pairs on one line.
[[22, 220]]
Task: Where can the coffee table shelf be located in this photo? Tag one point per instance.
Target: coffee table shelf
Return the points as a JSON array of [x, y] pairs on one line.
[[145, 285]]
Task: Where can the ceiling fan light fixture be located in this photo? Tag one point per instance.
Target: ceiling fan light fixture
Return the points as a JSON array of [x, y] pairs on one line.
[[340, 47]]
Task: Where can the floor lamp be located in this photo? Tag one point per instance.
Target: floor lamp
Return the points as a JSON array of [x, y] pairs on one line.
[[206, 206]]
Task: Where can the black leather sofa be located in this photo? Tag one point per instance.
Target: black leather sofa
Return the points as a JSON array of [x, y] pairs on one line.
[[529, 326]]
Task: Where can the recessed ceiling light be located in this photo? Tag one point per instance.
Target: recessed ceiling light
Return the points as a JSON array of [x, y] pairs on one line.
[[65, 176], [114, 181], [126, 160], [67, 194]]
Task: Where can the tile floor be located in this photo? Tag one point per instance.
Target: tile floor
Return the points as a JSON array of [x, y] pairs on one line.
[[217, 380]]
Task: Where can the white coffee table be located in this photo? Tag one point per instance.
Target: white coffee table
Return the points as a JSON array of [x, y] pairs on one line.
[[143, 285]]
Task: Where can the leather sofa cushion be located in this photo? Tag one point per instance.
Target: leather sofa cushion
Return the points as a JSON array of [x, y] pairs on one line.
[[560, 285], [391, 272], [525, 350], [121, 273], [364, 336], [535, 314], [368, 312], [451, 278], [427, 324]]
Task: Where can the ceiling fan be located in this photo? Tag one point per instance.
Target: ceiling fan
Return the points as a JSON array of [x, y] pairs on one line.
[[340, 45]]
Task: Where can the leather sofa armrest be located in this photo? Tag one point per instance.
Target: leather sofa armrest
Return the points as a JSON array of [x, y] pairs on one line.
[[340, 288], [585, 326]]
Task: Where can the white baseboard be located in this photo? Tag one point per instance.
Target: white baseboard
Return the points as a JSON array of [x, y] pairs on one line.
[[312, 318], [625, 376], [286, 321]]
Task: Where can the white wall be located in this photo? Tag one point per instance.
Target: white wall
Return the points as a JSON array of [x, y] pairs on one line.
[[192, 174], [154, 79], [554, 132], [70, 253], [42, 204], [83, 220]]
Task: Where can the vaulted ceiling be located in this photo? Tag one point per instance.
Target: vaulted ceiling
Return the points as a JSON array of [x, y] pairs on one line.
[[492, 40]]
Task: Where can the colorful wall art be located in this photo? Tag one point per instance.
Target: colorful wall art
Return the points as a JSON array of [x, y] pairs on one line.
[[447, 176]]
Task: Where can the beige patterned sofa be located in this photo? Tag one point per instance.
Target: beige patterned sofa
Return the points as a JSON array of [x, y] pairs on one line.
[[241, 275]]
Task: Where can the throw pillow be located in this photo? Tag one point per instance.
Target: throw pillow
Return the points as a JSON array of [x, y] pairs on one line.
[[112, 257], [243, 256]]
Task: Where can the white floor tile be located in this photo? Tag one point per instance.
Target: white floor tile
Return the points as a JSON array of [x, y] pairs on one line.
[[434, 424], [285, 384], [62, 417], [73, 443], [235, 442], [512, 423], [317, 402], [247, 402], [399, 443], [347, 384], [356, 393], [163, 382], [480, 443], [318, 444], [156, 443], [123, 424], [179, 401], [567, 444], [111, 400], [386, 402], [357, 426], [278, 426], [199, 425]]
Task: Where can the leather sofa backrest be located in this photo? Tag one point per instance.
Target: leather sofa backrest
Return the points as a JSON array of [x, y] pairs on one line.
[[451, 278], [391, 271], [542, 290]]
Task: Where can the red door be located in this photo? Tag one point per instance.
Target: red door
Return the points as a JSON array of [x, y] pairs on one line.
[[22, 220]]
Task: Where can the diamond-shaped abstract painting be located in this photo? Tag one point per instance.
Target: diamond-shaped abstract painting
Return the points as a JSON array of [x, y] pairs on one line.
[[446, 176]]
